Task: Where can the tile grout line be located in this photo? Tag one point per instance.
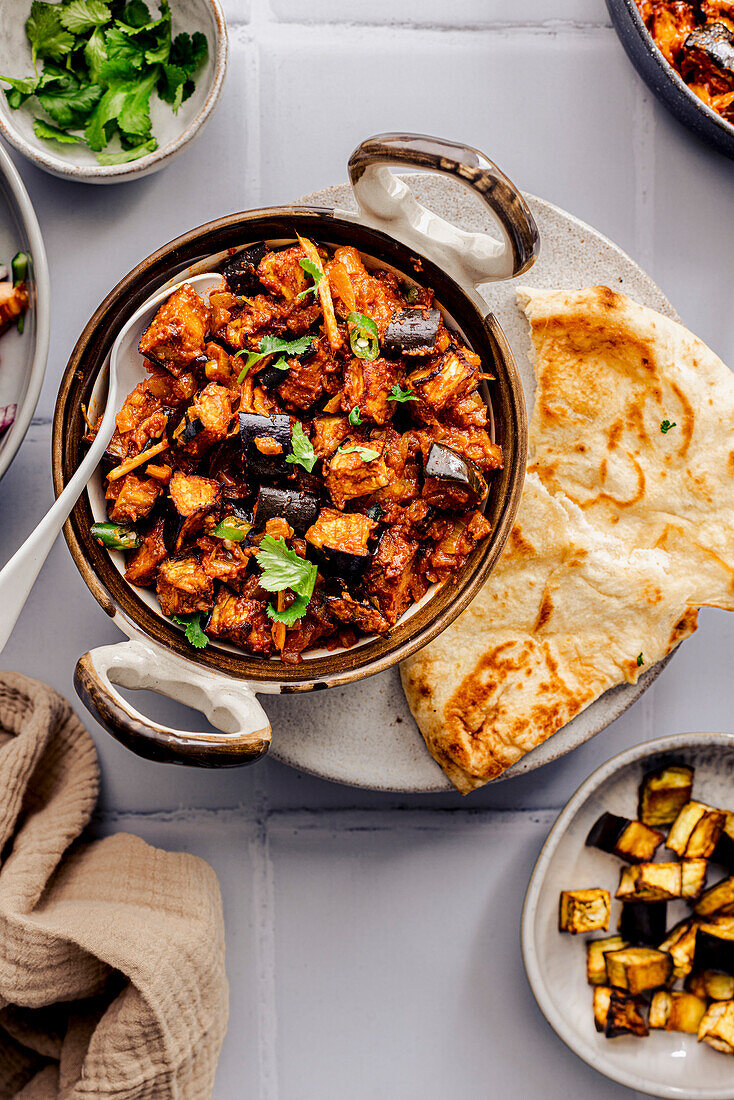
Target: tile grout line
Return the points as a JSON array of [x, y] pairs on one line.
[[262, 15], [263, 885], [643, 160]]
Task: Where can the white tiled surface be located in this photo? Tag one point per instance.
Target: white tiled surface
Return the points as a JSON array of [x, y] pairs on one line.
[[373, 938]]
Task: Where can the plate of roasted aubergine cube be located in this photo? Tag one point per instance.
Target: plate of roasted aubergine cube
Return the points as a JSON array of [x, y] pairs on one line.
[[628, 924]]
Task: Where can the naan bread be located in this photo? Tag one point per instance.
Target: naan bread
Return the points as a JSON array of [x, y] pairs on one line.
[[623, 532]]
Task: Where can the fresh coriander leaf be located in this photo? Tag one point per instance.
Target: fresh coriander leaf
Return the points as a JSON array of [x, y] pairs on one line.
[[354, 418], [397, 394], [303, 453], [283, 568], [640, 660], [269, 345], [46, 34], [51, 133], [134, 116], [95, 54], [124, 156], [189, 51], [172, 85], [666, 426], [316, 274], [292, 614], [70, 108], [232, 528], [159, 51], [20, 89], [135, 14], [194, 633], [102, 123], [367, 454], [81, 16]]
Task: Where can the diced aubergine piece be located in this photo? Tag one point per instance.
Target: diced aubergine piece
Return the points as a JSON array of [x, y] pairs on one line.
[[266, 441], [663, 794], [643, 922], [676, 1011], [584, 911], [346, 609], [662, 881], [718, 899], [390, 577], [191, 494], [356, 470], [441, 384], [240, 270], [638, 968], [183, 587], [596, 965], [717, 1027], [618, 1013], [714, 951], [343, 540], [450, 480], [627, 839], [712, 984], [723, 853], [680, 944], [411, 332], [696, 831], [176, 335], [716, 43], [299, 508]]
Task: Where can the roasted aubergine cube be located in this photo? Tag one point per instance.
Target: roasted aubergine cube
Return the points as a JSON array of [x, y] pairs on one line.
[[618, 1013], [356, 470], [442, 382], [345, 609], [717, 1027], [696, 831], [711, 984], [177, 334], [596, 964], [708, 55], [584, 911], [133, 497], [663, 794], [390, 577], [718, 899], [299, 508], [235, 617], [240, 270], [412, 332], [191, 494], [714, 949], [630, 840], [142, 564], [662, 881], [723, 853], [266, 443], [643, 922], [367, 387], [676, 1011], [450, 480], [343, 539], [637, 969], [183, 587], [680, 944]]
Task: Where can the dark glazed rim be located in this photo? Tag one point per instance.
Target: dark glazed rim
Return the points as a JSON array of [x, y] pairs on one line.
[[664, 81], [237, 230]]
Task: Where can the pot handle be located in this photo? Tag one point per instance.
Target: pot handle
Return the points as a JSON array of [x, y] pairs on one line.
[[387, 203], [230, 705]]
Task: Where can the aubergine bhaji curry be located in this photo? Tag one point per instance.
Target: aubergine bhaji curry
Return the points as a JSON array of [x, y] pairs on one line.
[[307, 455]]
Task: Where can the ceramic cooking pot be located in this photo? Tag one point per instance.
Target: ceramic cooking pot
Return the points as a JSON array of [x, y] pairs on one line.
[[391, 229]]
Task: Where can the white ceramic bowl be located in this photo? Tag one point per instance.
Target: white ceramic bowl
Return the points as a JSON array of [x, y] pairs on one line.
[[666, 1064], [22, 357], [173, 131]]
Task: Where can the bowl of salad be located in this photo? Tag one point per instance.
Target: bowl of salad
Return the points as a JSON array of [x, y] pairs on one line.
[[105, 91]]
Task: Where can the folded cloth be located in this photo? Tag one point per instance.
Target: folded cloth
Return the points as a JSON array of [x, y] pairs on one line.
[[112, 980]]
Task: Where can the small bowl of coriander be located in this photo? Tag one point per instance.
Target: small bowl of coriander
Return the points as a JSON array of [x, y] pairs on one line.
[[104, 91]]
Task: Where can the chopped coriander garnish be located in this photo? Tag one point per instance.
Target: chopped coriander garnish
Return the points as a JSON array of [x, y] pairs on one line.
[[282, 568], [269, 345], [102, 62], [354, 418], [194, 633], [640, 660], [367, 454], [666, 426], [397, 394], [303, 453], [316, 274]]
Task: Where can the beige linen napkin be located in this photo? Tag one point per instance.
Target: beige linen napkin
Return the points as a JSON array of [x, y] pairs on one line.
[[112, 979]]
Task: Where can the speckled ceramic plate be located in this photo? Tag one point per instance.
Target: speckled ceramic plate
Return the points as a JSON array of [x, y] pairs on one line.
[[22, 357], [667, 1064], [364, 734]]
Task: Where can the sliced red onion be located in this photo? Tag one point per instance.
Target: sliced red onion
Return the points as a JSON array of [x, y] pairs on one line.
[[7, 416]]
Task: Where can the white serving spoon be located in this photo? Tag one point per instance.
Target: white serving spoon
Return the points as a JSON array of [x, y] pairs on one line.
[[125, 371]]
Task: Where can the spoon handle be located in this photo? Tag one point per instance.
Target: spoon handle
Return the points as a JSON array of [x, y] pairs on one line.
[[18, 575]]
